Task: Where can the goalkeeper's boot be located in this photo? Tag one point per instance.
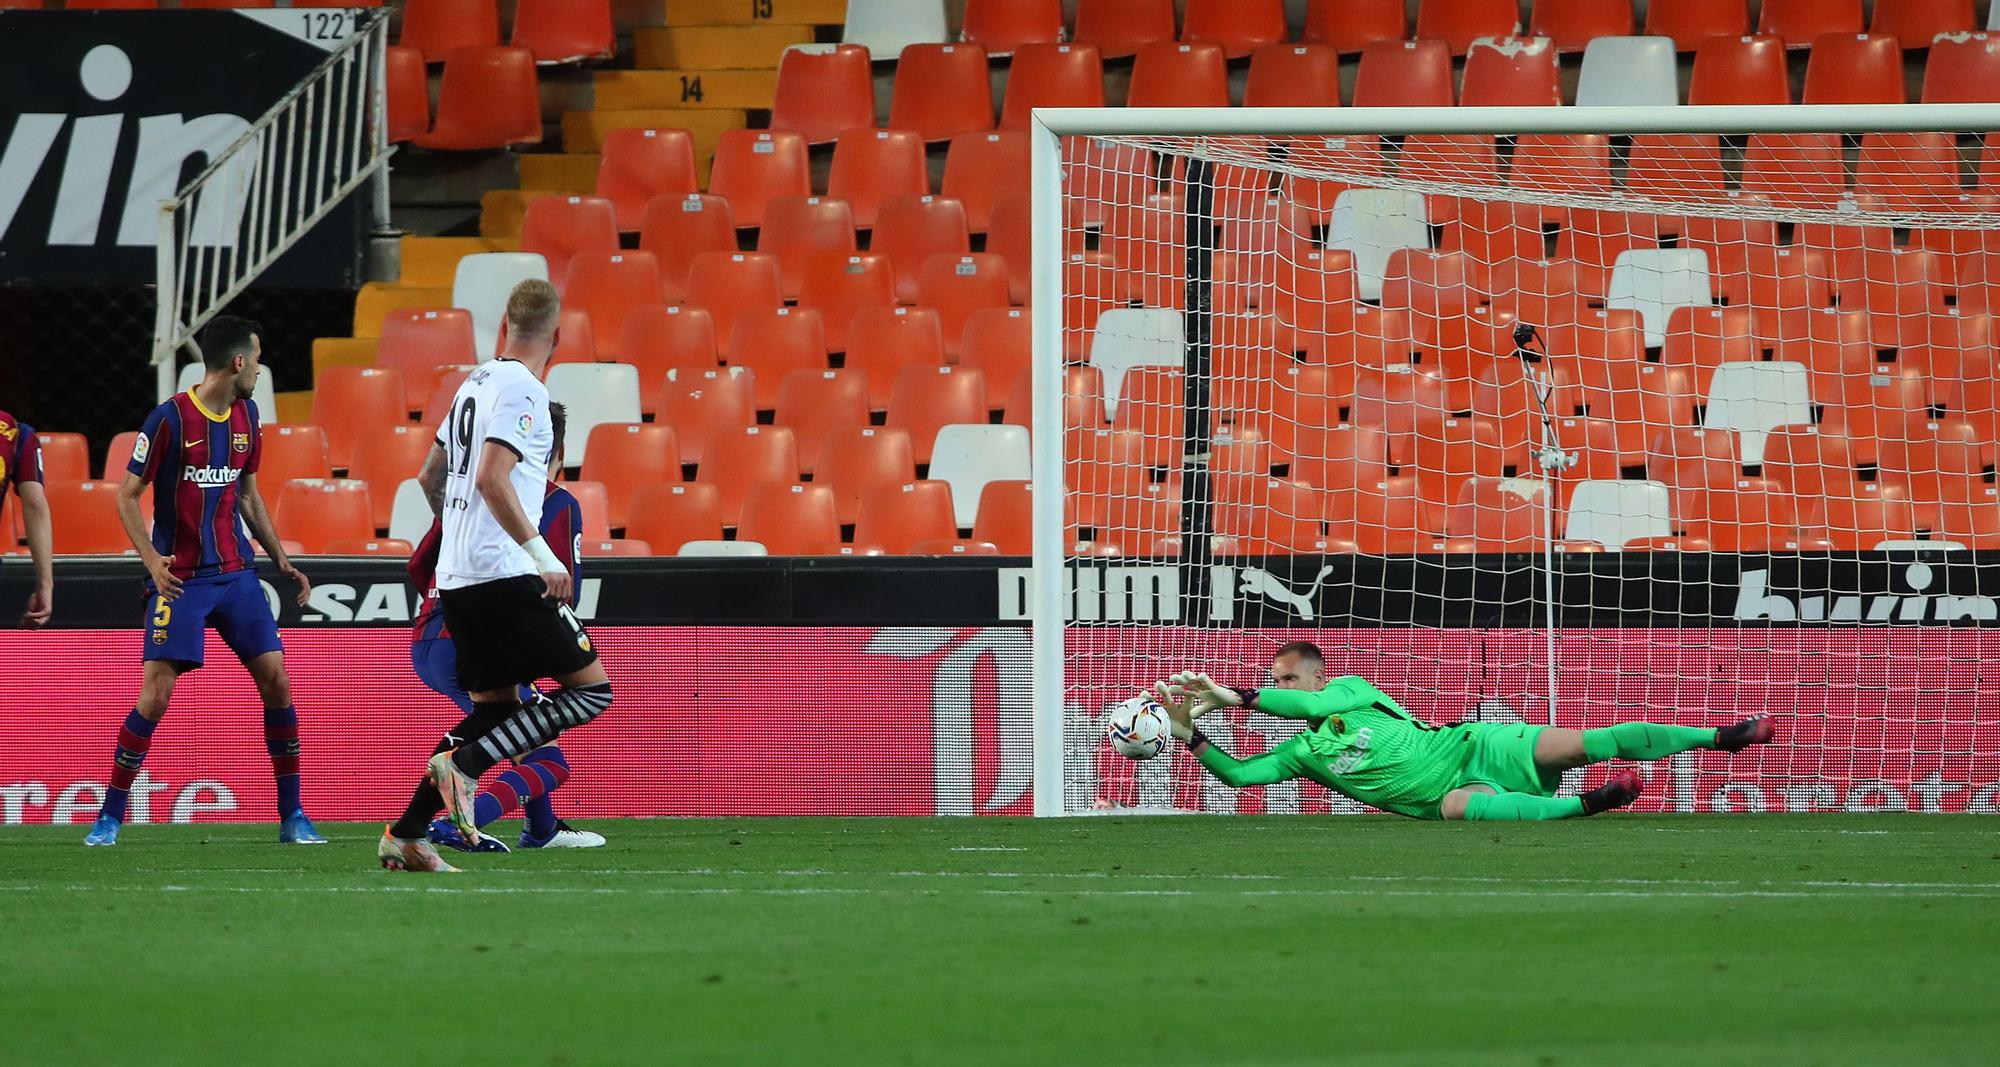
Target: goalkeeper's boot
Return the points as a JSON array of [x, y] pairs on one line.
[[103, 832], [1623, 788], [397, 854], [563, 836], [1755, 730], [296, 829], [458, 789], [444, 833]]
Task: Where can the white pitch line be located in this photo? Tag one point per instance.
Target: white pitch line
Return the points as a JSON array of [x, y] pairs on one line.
[[449, 890], [985, 848]]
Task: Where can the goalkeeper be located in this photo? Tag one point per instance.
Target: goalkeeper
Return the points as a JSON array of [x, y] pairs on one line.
[[1361, 744]]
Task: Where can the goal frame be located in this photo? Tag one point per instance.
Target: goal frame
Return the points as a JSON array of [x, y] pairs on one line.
[[1048, 591]]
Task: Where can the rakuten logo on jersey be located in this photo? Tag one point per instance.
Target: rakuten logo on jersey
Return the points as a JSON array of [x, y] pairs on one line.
[[211, 477], [165, 143]]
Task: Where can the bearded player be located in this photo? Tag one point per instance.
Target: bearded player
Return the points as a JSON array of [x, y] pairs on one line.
[[527, 784], [1361, 744], [199, 452]]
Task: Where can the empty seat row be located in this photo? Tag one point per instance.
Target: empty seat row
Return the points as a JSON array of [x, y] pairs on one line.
[[1120, 27]]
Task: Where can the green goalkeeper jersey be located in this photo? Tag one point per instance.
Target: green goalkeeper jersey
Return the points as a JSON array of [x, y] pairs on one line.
[[1361, 744]]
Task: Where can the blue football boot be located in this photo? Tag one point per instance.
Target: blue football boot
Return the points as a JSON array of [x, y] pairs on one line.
[[296, 829], [103, 832], [445, 834]]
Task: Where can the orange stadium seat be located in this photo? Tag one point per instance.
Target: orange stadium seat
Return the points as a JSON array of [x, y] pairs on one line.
[[66, 456], [1750, 516], [957, 286], [1690, 22], [699, 405], [729, 284], [824, 91], [1847, 68], [677, 230], [1335, 458], [927, 398], [1572, 23], [753, 166], [1175, 74], [838, 286], [1799, 21], [1293, 75], [881, 341], [873, 166], [1562, 162], [288, 452], [1002, 26], [564, 31], [636, 164], [660, 337], [1807, 461], [1511, 72], [624, 456], [370, 546], [559, 227], [488, 98], [773, 341], [313, 511], [1861, 515], [816, 403], [898, 517], [1352, 25], [854, 458], [1907, 172], [1916, 22], [118, 455], [911, 229], [1239, 26], [1964, 70], [1404, 74], [386, 457], [797, 226], [417, 341], [1380, 518], [979, 167], [443, 391], [1458, 23], [1119, 28], [1083, 399], [955, 547], [789, 519], [1795, 169], [998, 342], [1740, 70], [1011, 238], [737, 459], [1942, 459], [110, 5], [83, 516], [1285, 518], [1005, 518], [610, 286], [941, 91], [1050, 75], [1499, 514], [617, 546], [1675, 166], [353, 402], [407, 85], [1687, 457], [594, 503], [666, 517], [435, 27], [1102, 175]]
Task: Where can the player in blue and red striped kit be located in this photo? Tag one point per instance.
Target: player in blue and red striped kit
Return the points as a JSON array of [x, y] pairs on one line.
[[535, 775], [21, 467], [199, 452]]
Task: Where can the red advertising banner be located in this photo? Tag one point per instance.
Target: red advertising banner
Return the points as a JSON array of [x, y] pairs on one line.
[[936, 721]]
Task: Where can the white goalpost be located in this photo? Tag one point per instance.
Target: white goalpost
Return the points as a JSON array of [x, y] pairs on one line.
[[1565, 415]]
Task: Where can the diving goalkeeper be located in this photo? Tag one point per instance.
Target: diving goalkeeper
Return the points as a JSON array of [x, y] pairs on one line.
[[1361, 744]]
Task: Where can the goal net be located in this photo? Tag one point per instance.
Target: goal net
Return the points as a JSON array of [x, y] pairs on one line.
[[1672, 415]]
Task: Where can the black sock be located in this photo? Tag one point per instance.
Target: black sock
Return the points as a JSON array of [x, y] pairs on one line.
[[416, 820], [427, 801]]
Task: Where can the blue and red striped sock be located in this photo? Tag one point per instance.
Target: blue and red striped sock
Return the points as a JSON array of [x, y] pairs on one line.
[[134, 738], [548, 764], [281, 740], [525, 784]]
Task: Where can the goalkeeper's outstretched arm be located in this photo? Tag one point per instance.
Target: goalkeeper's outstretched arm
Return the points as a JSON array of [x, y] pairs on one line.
[[1269, 768], [1340, 696]]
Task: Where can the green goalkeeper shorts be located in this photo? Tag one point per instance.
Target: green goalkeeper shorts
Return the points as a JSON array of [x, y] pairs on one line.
[[1503, 757]]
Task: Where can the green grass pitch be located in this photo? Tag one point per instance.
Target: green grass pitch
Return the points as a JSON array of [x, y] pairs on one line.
[[1355, 941]]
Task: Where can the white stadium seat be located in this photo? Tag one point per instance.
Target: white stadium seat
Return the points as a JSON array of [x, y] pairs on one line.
[[968, 456], [723, 549], [1621, 71], [1753, 398], [593, 393], [1134, 337], [410, 517], [264, 395], [482, 285], [1373, 224], [1613, 513], [1655, 281], [886, 27]]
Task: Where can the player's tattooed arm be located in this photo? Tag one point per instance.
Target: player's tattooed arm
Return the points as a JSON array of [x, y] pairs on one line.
[[156, 565], [431, 479], [250, 504]]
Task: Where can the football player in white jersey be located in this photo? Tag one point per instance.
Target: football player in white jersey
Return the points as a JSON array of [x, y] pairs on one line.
[[504, 593]]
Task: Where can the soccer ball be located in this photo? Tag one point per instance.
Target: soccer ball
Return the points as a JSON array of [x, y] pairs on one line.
[[1138, 728]]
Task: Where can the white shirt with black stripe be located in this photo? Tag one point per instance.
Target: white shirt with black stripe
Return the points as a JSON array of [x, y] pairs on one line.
[[504, 403]]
